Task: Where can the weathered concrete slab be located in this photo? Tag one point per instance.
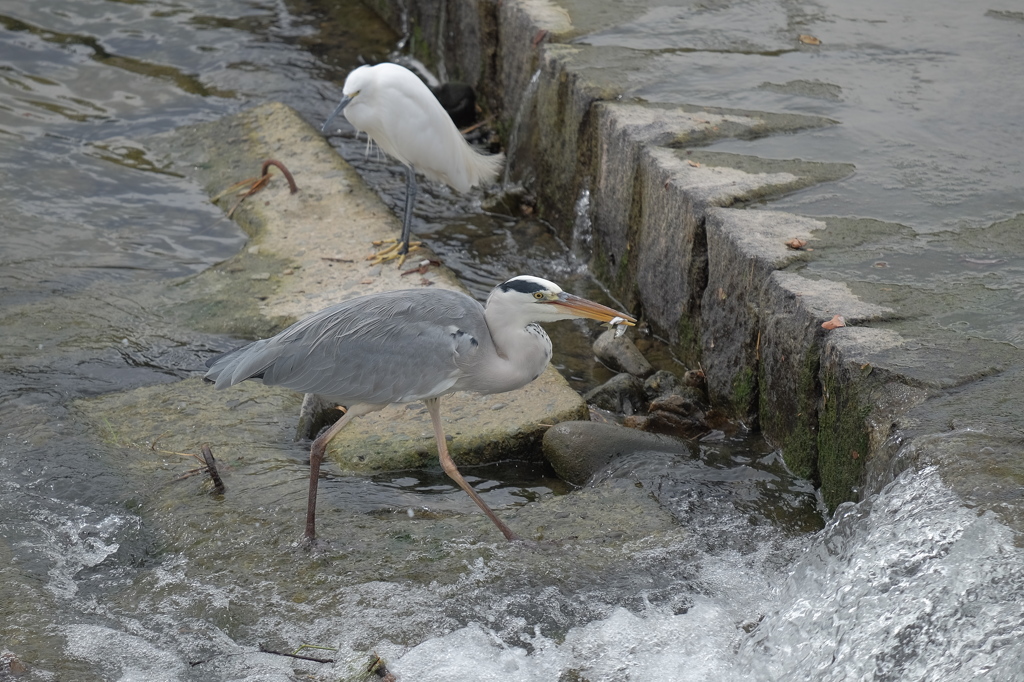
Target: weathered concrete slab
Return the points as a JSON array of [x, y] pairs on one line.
[[306, 251], [743, 250], [651, 198]]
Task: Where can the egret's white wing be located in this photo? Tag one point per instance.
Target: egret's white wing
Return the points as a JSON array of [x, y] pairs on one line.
[[404, 118]]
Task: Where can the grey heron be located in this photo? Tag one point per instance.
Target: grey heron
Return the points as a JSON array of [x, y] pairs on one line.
[[411, 345], [403, 117]]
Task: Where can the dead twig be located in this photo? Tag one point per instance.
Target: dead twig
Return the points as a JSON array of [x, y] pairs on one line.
[[315, 659], [211, 467]]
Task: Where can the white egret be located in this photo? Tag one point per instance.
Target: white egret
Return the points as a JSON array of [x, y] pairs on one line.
[[411, 345], [402, 116]]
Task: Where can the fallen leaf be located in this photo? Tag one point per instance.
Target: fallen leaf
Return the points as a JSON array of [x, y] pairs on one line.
[[836, 321], [695, 164], [538, 37], [809, 40], [796, 244], [422, 267]]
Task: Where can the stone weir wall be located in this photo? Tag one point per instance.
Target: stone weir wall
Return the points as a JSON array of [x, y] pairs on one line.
[[727, 285]]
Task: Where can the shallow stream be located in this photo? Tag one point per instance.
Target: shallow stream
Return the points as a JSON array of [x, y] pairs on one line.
[[110, 569]]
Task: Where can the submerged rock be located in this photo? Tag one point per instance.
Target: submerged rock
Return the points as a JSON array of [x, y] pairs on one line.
[[623, 393], [577, 450], [660, 383]]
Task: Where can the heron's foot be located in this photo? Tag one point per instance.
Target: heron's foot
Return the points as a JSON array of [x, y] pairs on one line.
[[396, 249]]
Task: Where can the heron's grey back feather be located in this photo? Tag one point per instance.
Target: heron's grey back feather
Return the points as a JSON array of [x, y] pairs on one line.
[[393, 347]]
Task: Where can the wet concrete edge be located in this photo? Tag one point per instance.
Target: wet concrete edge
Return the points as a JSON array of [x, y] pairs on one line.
[[851, 407]]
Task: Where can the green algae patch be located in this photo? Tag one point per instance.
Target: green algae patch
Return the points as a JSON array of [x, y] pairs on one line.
[[843, 441], [744, 391], [179, 417], [800, 429], [228, 299]]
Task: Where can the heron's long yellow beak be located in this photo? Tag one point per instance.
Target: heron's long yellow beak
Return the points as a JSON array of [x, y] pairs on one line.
[[582, 307]]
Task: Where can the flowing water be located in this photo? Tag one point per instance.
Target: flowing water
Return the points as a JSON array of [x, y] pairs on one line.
[[111, 572]]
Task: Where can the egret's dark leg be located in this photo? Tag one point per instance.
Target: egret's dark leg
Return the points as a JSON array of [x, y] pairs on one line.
[[410, 199], [434, 406]]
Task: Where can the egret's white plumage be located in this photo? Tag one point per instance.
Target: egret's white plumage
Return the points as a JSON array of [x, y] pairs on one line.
[[404, 346], [403, 117]]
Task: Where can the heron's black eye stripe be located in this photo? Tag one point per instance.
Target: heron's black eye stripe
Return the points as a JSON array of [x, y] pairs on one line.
[[523, 286]]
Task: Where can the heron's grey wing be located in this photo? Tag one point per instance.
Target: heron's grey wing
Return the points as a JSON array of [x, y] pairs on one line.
[[394, 347]]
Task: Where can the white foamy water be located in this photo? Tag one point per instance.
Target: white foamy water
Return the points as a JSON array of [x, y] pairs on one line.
[[910, 585]]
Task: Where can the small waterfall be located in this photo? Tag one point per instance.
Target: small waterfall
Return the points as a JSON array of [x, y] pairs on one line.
[[442, 24], [518, 125], [582, 233]]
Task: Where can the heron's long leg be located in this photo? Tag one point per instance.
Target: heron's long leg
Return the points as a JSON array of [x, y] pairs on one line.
[[434, 406], [316, 456], [410, 199]]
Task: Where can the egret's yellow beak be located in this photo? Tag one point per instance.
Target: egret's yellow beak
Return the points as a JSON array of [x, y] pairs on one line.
[[582, 307]]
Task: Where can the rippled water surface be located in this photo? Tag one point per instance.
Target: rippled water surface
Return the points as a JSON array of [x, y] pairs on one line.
[[921, 91], [112, 567]]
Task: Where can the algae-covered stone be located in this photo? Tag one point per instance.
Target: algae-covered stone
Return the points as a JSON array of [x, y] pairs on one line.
[[480, 428], [181, 416]]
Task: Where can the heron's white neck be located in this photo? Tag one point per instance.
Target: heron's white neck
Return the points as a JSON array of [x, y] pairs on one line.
[[523, 348]]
